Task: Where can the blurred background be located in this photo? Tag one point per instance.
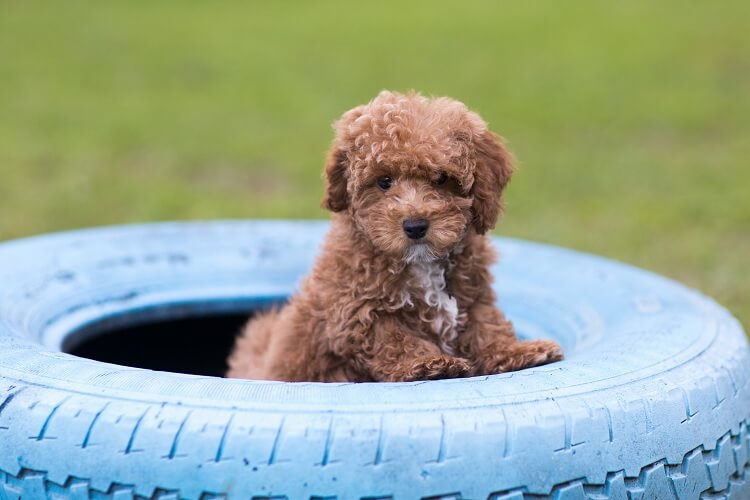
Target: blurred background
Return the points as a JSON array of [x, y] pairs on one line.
[[630, 120]]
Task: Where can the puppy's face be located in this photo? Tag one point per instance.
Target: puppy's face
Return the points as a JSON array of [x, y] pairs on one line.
[[416, 174], [419, 214]]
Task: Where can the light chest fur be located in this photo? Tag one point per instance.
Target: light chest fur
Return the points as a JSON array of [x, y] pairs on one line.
[[428, 280]]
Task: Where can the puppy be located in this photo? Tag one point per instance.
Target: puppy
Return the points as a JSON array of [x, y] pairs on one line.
[[401, 290]]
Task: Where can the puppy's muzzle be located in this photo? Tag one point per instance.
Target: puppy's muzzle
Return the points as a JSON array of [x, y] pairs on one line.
[[416, 228]]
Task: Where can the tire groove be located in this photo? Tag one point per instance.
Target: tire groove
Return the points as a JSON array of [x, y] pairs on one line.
[[276, 442], [48, 420], [87, 437], [223, 439], [131, 438], [176, 440], [9, 398]]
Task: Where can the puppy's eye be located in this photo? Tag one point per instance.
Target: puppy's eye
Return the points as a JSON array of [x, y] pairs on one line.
[[442, 179], [384, 182]]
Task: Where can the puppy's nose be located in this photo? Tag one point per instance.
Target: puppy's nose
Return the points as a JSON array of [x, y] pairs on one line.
[[416, 228]]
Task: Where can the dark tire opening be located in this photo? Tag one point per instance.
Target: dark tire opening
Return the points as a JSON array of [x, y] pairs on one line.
[[195, 345]]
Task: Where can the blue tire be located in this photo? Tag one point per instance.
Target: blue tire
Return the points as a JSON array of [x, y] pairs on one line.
[[652, 401]]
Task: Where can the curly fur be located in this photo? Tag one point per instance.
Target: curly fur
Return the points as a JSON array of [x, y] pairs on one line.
[[377, 305]]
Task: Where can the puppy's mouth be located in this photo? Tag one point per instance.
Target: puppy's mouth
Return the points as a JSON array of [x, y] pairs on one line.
[[420, 252]]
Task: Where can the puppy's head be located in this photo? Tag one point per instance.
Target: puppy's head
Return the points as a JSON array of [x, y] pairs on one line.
[[416, 174]]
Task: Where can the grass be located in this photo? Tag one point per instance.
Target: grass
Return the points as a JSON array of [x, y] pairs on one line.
[[631, 120]]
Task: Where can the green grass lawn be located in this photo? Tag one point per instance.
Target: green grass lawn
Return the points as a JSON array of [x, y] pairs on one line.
[[631, 120]]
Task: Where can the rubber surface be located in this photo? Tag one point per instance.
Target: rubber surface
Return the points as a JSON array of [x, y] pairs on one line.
[[652, 401]]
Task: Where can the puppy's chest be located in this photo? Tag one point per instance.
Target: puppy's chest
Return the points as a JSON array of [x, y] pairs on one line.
[[428, 286]]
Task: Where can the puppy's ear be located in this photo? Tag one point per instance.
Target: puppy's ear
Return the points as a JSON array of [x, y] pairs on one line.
[[336, 197], [493, 170]]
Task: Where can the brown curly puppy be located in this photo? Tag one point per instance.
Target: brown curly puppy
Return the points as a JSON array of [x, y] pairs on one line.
[[401, 290]]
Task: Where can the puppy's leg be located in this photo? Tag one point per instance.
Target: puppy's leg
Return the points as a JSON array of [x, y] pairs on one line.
[[519, 355], [404, 357], [250, 356], [491, 344], [392, 354]]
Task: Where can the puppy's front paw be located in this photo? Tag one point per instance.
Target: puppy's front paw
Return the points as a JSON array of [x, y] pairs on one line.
[[522, 355], [433, 368], [542, 352]]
